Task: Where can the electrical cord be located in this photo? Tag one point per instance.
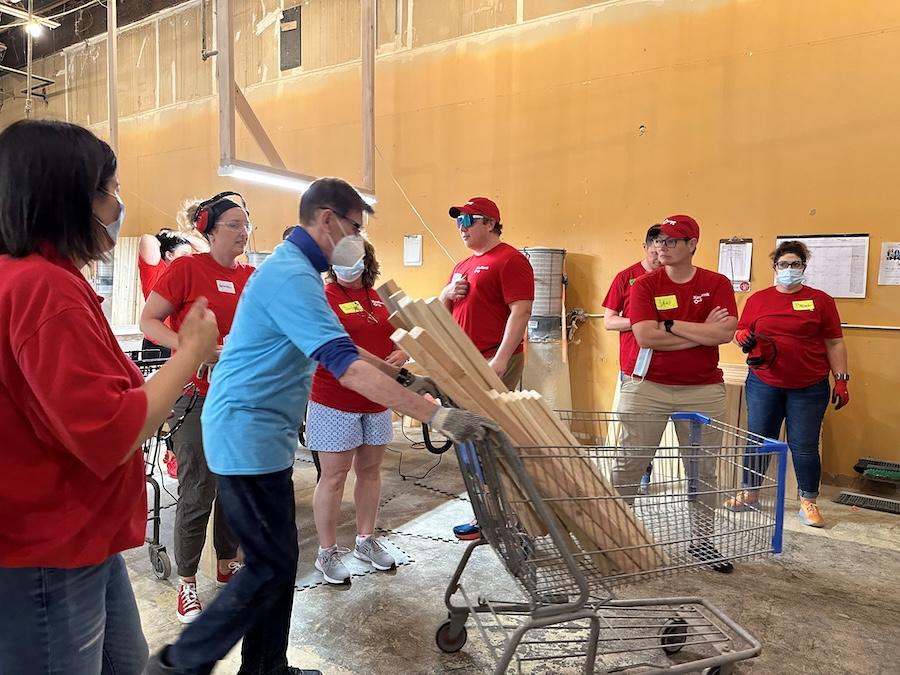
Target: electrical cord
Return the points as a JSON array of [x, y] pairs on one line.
[[414, 445]]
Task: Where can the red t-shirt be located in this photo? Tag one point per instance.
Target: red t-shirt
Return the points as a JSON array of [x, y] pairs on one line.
[[353, 307], [193, 276], [655, 297], [798, 323], [70, 408], [618, 300], [150, 274], [496, 279]]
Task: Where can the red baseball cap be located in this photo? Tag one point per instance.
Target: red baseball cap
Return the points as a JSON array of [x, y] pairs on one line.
[[477, 206], [680, 227]]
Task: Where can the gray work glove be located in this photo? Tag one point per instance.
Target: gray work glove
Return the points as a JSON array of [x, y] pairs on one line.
[[461, 425]]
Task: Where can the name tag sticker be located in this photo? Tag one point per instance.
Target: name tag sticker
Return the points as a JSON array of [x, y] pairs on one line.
[[803, 305], [351, 307], [666, 302], [225, 286]]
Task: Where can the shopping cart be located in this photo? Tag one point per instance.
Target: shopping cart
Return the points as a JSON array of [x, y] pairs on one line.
[[148, 362], [564, 614]]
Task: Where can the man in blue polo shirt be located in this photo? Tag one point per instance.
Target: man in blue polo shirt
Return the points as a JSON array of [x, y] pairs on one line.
[[250, 422]]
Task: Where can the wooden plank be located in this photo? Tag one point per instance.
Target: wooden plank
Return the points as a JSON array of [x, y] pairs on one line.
[[467, 349], [386, 290]]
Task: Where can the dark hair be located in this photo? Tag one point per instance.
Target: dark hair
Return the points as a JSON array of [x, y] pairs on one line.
[[370, 273], [50, 173], [331, 193], [798, 248], [169, 241], [287, 232], [653, 234], [497, 228]]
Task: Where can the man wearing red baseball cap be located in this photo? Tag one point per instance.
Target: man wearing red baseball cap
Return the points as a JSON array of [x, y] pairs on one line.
[[490, 294], [680, 314]]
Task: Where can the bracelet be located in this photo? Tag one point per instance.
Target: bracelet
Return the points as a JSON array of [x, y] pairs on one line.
[[405, 377], [841, 377]]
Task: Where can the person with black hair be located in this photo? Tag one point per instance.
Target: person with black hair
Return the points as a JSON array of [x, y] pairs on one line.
[[793, 338], [74, 412], [224, 221], [250, 427]]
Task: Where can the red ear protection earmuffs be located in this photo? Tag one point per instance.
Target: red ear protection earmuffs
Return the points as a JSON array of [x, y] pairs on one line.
[[207, 213]]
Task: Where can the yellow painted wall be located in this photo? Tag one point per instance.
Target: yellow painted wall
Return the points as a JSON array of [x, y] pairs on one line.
[[757, 114]]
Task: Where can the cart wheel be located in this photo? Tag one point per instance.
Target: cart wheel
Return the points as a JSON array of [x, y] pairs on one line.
[[162, 566], [673, 635], [446, 641], [719, 670]]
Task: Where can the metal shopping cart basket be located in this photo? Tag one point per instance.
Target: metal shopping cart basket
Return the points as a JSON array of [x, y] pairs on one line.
[[565, 618], [148, 362]]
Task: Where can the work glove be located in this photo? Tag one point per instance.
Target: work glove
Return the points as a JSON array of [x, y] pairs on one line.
[[746, 339], [840, 396], [460, 426]]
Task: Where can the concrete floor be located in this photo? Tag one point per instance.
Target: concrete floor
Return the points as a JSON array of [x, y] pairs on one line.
[[829, 604]]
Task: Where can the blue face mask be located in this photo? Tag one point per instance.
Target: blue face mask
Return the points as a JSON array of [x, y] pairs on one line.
[[790, 277], [350, 274]]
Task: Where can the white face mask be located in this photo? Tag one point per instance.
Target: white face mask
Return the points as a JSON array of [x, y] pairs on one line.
[[642, 364], [349, 251], [350, 274], [113, 228]]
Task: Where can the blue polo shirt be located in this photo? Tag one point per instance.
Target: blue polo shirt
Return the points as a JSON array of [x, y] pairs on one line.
[[261, 383]]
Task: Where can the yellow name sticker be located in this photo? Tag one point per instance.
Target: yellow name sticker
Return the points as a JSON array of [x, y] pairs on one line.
[[666, 302], [351, 307], [803, 305]]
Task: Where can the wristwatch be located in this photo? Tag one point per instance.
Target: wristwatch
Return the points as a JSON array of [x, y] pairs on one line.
[[838, 377], [668, 323], [405, 377]]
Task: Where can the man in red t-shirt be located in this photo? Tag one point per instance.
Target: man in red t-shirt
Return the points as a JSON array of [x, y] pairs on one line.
[[615, 315], [682, 313], [490, 294]]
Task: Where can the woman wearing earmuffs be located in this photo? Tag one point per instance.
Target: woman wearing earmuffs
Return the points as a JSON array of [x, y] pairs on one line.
[[218, 276], [792, 336]]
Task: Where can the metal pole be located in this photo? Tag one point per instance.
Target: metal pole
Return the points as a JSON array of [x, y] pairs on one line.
[[112, 74], [367, 52], [29, 59]]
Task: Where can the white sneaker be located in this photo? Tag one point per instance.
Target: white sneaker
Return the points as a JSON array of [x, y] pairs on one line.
[[333, 570], [189, 607]]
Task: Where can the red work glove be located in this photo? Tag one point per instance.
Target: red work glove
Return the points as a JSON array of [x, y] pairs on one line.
[[840, 396], [746, 339]]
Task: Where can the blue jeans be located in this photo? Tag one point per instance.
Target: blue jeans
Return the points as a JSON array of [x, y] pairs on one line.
[[81, 621], [803, 409], [256, 604]]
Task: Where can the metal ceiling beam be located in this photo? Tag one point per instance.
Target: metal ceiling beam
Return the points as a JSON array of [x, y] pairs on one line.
[[22, 14]]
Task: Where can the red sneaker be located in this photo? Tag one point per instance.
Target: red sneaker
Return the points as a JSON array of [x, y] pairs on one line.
[[171, 463], [189, 607], [222, 579]]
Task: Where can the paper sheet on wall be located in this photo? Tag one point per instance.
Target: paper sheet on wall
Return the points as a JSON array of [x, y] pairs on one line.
[[889, 264], [735, 256], [412, 250], [838, 264]]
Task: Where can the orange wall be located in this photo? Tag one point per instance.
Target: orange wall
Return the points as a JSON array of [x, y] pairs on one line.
[[758, 113]]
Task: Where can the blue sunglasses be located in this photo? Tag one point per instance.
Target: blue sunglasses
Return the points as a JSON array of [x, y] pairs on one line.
[[467, 220]]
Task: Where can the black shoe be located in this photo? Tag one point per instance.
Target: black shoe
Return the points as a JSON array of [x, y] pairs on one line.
[[706, 552], [290, 670], [158, 666]]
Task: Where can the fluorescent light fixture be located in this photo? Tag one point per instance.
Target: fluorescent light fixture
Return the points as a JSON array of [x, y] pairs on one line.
[[286, 180], [22, 14]]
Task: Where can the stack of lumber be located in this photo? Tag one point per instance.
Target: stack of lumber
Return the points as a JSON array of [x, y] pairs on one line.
[[581, 500]]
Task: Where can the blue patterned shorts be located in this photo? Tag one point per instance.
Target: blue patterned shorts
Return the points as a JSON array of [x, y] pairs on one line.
[[330, 430]]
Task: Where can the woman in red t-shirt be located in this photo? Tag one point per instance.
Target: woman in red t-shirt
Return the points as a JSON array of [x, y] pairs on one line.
[[347, 429], [792, 335], [74, 411], [218, 276]]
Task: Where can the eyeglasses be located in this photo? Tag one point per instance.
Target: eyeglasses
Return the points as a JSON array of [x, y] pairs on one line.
[[792, 265], [236, 225], [467, 220], [669, 243], [357, 227]]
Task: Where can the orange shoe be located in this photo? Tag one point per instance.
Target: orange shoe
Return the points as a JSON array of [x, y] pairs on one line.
[[809, 513], [745, 500]]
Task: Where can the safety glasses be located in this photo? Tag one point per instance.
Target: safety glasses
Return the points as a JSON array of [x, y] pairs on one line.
[[466, 220]]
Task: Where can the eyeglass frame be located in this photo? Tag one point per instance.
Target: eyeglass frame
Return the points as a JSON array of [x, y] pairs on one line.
[[236, 225], [663, 243], [359, 228], [792, 265], [467, 220]]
